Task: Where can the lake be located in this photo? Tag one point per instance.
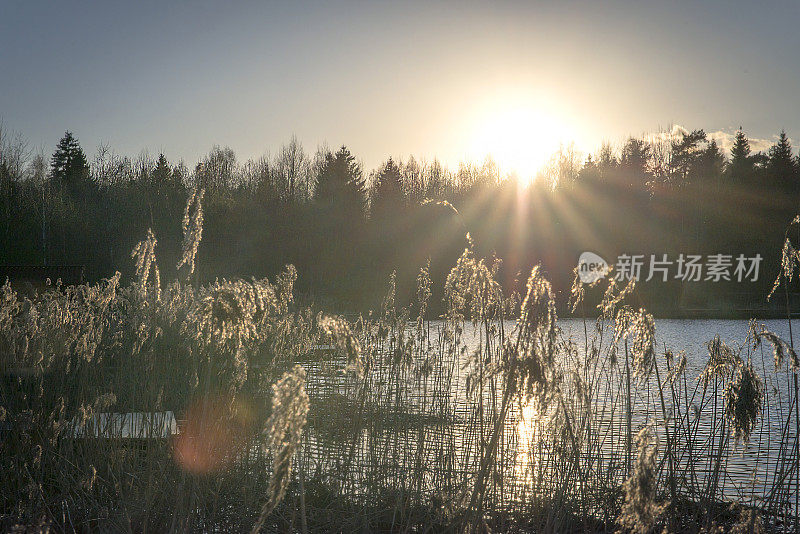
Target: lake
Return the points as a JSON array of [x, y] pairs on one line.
[[442, 426]]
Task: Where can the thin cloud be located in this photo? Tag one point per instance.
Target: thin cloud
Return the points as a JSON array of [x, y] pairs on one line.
[[726, 138]]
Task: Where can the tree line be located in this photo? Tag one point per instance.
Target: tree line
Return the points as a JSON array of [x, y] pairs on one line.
[[346, 229]]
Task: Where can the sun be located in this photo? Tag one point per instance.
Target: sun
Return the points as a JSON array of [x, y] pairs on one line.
[[519, 137]]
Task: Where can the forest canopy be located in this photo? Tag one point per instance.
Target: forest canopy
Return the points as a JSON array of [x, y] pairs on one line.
[[346, 229]]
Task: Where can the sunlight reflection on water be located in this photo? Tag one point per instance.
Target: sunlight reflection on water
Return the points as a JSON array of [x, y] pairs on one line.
[[532, 464], [752, 464]]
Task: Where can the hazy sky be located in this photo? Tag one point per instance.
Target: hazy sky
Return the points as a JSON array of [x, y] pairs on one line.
[[393, 78]]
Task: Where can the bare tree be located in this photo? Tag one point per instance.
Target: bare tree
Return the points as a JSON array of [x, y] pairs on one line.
[[293, 166], [14, 157], [217, 171], [563, 167], [108, 168]]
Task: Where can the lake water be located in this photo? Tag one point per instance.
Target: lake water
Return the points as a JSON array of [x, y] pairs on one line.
[[749, 471], [752, 469]]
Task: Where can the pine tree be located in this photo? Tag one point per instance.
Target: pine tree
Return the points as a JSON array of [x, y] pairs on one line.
[[162, 173], [68, 166], [741, 168], [388, 196], [781, 166], [711, 163], [740, 151], [166, 189], [340, 188], [164, 180], [340, 205]]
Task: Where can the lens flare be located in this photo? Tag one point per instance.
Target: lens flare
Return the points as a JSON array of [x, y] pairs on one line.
[[217, 428]]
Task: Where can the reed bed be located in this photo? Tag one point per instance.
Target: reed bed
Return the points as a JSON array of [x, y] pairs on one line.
[[489, 418]]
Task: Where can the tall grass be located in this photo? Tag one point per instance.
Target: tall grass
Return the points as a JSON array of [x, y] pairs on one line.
[[490, 418]]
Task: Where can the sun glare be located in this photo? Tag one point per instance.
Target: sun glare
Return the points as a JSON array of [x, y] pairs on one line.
[[520, 138]]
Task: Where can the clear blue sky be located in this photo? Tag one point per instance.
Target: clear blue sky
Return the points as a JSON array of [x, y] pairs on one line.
[[391, 78]]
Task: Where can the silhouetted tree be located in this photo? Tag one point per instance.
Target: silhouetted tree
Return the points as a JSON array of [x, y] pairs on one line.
[[292, 167], [413, 180], [589, 173], [389, 221], [741, 165], [217, 171], [633, 164], [311, 211], [606, 160], [340, 201], [781, 166], [162, 174], [8, 194], [684, 161], [388, 195], [710, 164], [436, 181], [68, 166], [341, 191], [563, 167]]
